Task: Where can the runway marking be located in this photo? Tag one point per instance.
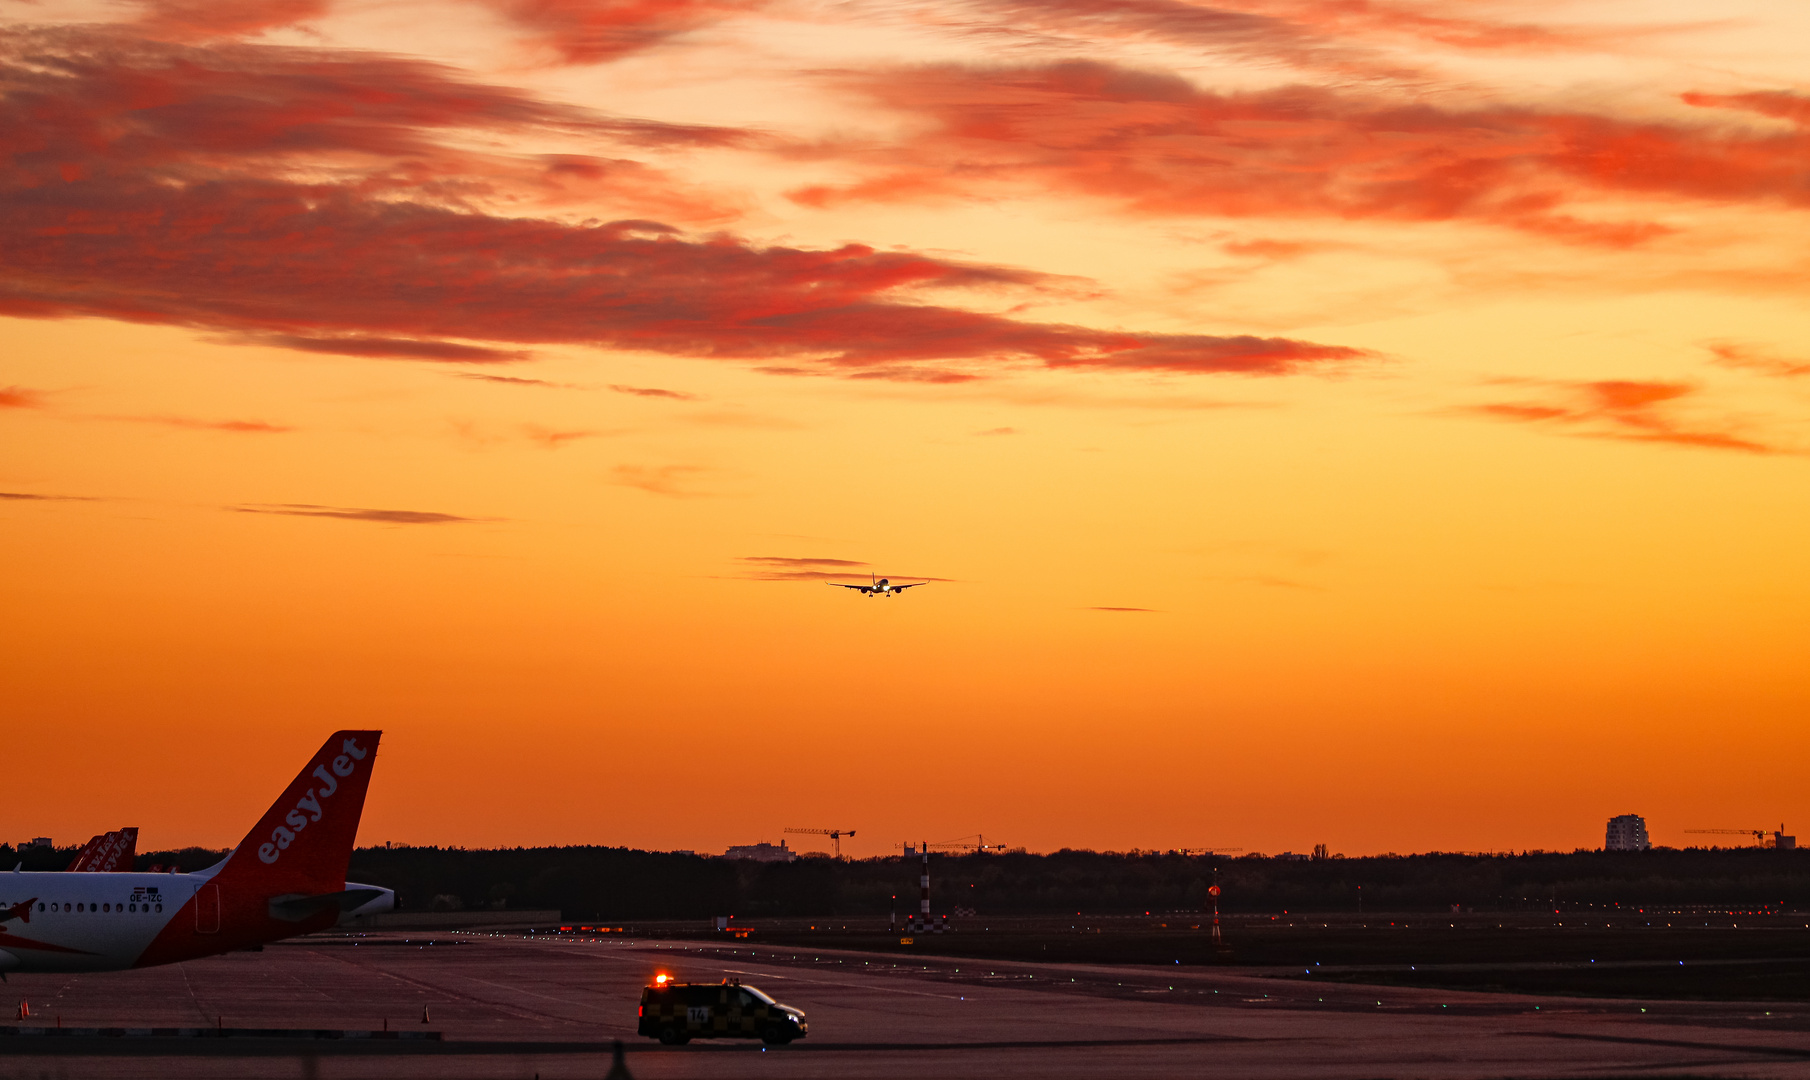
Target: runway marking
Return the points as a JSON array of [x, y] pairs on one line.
[[133, 1046], [805, 981], [1778, 1051]]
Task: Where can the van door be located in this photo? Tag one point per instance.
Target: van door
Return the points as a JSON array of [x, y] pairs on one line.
[[207, 909]]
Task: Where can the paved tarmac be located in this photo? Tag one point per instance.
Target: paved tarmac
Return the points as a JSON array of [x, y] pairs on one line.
[[513, 1007]]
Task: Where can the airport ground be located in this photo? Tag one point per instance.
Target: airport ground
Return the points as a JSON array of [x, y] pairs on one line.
[[1689, 954], [506, 1005]]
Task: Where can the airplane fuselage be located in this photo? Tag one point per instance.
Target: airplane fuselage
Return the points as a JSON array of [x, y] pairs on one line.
[[88, 922], [108, 922]]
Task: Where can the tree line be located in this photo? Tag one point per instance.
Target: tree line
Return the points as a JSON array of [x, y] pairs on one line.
[[609, 883]]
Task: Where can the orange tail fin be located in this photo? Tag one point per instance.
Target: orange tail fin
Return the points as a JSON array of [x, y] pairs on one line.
[[304, 841], [288, 876]]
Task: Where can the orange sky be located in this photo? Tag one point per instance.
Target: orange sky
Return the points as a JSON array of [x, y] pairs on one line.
[[1323, 422]]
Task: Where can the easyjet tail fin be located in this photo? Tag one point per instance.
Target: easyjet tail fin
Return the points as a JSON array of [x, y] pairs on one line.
[[304, 841], [108, 853]]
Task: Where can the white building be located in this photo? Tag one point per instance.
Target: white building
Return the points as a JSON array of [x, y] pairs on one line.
[[761, 852], [1627, 832]]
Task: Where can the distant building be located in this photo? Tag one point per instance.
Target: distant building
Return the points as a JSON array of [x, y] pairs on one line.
[[1627, 832], [762, 852], [38, 843]]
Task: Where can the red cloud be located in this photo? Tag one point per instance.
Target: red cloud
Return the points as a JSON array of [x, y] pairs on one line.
[[348, 513], [590, 31], [18, 397], [554, 439], [1777, 104], [1735, 355], [195, 20], [189, 205], [1153, 144], [1625, 409], [91, 106], [653, 392], [399, 348], [1343, 36], [511, 380], [660, 479], [1436, 24], [788, 568], [241, 427]]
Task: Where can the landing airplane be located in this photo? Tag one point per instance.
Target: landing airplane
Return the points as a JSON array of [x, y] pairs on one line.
[[879, 587], [287, 877]]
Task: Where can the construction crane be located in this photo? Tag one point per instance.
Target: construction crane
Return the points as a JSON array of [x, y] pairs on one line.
[[1777, 840], [835, 836], [977, 843]]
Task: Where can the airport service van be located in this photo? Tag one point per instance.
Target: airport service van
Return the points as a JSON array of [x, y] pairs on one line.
[[676, 1013]]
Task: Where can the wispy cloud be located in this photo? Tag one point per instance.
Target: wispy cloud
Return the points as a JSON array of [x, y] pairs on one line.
[[349, 513], [653, 392], [25, 496], [1146, 609], [590, 32], [1755, 358], [1150, 143], [797, 568], [998, 431], [19, 397], [513, 380], [394, 348], [670, 480], [201, 20], [1630, 410], [1348, 39], [554, 439], [189, 423]]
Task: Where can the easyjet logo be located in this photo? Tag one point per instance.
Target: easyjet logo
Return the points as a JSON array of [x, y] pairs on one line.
[[308, 807]]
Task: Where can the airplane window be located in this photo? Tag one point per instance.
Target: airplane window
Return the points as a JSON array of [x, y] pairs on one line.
[[134, 907], [78, 907], [106, 907], [40, 907], [159, 907]]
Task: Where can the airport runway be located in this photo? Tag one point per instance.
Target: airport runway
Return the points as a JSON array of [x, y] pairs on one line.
[[512, 1007]]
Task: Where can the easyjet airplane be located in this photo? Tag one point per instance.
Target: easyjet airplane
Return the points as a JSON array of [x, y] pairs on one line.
[[287, 877]]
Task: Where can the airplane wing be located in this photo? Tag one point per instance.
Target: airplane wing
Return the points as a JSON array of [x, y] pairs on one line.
[[913, 585], [857, 588]]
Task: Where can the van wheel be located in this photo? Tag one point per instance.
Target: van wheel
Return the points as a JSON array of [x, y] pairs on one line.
[[775, 1036], [672, 1036]]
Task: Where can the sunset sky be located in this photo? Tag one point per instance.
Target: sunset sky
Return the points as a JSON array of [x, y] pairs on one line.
[[1380, 424]]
